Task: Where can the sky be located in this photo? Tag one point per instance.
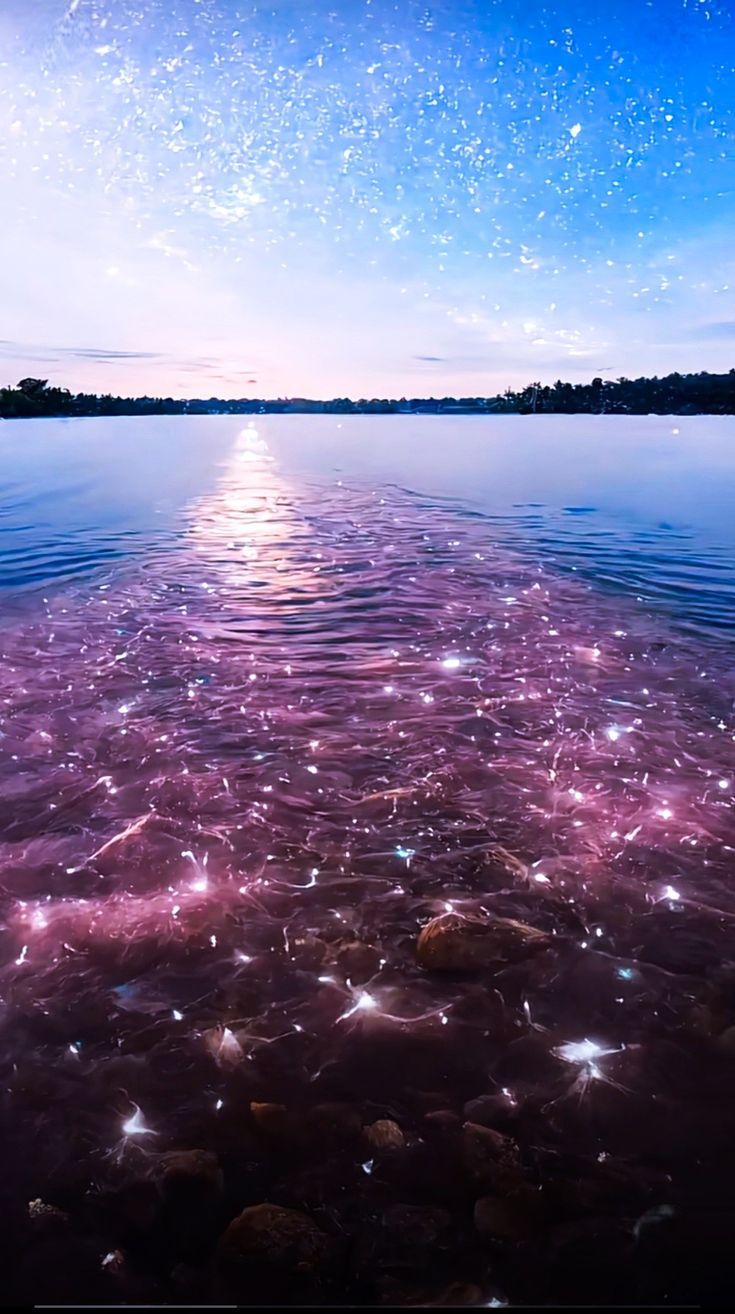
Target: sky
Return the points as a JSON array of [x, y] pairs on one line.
[[319, 198]]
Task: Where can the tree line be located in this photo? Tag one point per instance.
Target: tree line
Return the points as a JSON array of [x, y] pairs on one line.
[[675, 394]]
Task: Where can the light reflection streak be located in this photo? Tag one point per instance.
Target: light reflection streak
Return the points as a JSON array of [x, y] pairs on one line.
[[135, 1125]]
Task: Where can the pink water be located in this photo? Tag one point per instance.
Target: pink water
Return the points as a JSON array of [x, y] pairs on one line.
[[334, 713]]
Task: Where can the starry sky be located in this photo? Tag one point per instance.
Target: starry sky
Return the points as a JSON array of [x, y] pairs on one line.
[[364, 197]]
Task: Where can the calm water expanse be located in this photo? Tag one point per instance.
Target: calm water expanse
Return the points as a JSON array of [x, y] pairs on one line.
[[274, 696], [642, 504]]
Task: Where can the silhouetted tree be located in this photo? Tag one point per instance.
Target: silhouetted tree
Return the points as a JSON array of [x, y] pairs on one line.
[[676, 394], [34, 388]]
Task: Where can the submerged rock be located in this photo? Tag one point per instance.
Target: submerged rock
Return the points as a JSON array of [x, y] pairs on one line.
[[273, 1120], [492, 1110], [308, 1133], [726, 1041], [490, 1157], [504, 858], [442, 1119], [393, 1291], [404, 1237], [270, 1249], [190, 1173], [384, 1135], [455, 943], [480, 1006], [46, 1215], [358, 961]]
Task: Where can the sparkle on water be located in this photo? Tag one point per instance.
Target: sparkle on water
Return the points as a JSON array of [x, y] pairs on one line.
[[180, 889]]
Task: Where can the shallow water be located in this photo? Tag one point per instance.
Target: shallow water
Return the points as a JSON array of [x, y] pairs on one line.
[[255, 709]]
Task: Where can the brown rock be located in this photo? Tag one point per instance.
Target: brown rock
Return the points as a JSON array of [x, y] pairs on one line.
[[430, 1170], [430, 1099], [480, 1006], [46, 1215], [726, 1041], [504, 858], [489, 1110], [190, 1173], [273, 1120], [269, 1241], [393, 1291], [385, 1135], [454, 943], [358, 961], [491, 1157], [443, 1119]]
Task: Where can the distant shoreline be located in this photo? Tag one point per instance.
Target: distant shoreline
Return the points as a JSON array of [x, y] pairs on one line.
[[675, 394], [424, 414]]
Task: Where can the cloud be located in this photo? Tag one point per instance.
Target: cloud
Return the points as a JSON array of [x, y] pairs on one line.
[[98, 353], [42, 351], [723, 328], [24, 352], [436, 359], [18, 349]]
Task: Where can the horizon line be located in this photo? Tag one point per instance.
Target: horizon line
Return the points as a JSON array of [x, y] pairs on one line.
[[533, 387]]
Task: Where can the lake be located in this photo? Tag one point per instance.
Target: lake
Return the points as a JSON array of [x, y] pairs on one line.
[[642, 504], [275, 696]]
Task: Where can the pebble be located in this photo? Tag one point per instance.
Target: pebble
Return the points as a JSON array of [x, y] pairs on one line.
[[455, 943], [359, 962], [384, 1135]]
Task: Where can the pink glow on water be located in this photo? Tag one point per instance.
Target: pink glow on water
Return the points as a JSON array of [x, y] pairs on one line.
[[331, 714]]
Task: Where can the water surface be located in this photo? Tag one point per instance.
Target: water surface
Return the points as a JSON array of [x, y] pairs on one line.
[[273, 696], [642, 504]]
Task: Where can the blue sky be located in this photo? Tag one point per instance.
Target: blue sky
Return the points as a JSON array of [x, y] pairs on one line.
[[362, 197]]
